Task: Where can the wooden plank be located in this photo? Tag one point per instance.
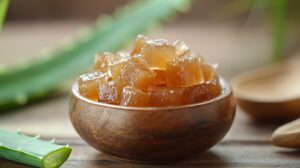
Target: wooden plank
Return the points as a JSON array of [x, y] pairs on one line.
[[228, 153]]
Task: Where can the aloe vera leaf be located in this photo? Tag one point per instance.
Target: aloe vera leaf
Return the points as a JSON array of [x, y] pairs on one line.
[[32, 151], [28, 82], [278, 14], [3, 9]]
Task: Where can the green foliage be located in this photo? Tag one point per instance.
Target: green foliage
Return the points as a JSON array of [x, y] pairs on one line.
[[278, 17], [32, 151], [278, 9], [3, 9], [33, 80]]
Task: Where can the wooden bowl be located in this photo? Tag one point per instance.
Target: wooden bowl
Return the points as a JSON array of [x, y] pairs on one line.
[[270, 93], [153, 134]]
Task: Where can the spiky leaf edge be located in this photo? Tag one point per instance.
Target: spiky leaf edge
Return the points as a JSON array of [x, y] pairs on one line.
[[55, 156]]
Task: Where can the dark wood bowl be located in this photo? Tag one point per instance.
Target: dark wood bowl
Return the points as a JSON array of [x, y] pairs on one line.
[[153, 134]]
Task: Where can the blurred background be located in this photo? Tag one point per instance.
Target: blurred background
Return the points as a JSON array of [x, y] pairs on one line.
[[238, 35], [217, 29]]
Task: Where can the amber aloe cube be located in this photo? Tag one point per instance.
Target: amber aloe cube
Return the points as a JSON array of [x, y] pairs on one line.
[[116, 64], [101, 61], [202, 92], [134, 97], [158, 53], [88, 84], [181, 50], [209, 72], [138, 45], [106, 61], [136, 73], [214, 87], [160, 77], [164, 96], [184, 73], [156, 73], [111, 92]]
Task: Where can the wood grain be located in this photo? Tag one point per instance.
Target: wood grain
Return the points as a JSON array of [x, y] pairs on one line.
[[228, 153], [153, 135]]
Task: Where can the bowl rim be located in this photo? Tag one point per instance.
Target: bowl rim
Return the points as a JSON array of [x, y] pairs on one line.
[[225, 85]]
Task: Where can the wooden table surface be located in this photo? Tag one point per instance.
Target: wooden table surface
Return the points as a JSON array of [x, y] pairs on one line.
[[246, 145]]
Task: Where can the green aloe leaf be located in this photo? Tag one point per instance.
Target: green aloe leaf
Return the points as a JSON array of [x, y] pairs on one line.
[[30, 81], [278, 12], [3, 9], [32, 151]]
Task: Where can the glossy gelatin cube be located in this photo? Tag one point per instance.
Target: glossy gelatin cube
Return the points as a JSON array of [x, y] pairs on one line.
[[101, 61], [202, 92], [197, 93], [115, 65], [138, 45], [160, 77], [181, 50], [163, 96], [88, 84], [114, 69], [214, 87], [158, 53], [134, 97], [111, 92], [184, 73], [209, 72], [105, 60], [136, 73]]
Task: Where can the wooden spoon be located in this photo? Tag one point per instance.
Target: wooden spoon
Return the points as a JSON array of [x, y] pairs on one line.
[[271, 93], [287, 135]]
